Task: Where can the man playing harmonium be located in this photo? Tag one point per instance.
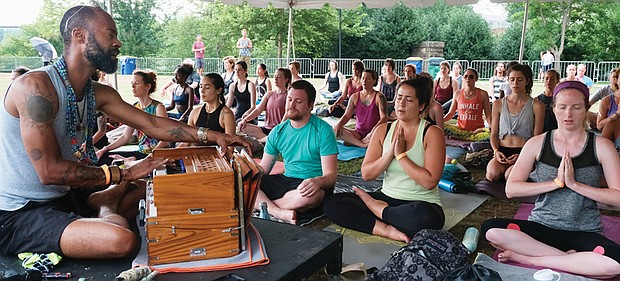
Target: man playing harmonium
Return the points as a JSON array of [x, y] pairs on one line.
[[46, 125], [309, 149]]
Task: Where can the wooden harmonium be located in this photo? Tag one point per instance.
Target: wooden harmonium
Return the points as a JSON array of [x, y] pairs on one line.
[[199, 207]]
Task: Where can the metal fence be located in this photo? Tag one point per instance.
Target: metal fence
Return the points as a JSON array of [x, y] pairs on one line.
[[316, 68]]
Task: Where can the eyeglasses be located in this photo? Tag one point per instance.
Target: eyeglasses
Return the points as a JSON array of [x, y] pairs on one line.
[[68, 19]]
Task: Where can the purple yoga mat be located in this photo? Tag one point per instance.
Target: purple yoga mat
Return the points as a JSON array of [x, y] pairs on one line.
[[611, 228]]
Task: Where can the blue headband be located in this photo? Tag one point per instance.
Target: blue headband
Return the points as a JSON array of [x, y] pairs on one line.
[[578, 85]]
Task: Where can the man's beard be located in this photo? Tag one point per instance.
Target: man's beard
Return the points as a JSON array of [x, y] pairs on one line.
[[100, 59]]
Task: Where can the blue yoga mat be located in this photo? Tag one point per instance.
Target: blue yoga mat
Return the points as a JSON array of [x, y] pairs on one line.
[[346, 153]]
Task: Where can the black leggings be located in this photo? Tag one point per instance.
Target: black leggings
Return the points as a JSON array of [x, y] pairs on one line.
[[348, 210], [580, 241]]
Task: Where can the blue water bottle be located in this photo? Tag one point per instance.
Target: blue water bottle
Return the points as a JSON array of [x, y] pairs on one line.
[[470, 239], [448, 186], [264, 213]]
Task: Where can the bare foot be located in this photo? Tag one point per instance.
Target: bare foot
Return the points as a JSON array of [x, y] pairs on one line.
[[397, 235], [508, 256], [374, 205], [108, 197], [289, 216]]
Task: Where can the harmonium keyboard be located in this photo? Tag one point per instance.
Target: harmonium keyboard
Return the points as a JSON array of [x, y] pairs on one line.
[[199, 207]]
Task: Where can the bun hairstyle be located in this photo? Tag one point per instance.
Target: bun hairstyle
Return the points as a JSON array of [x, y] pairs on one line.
[[218, 84], [149, 77], [287, 74]]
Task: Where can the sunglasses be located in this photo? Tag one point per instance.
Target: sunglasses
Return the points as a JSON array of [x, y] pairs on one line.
[[69, 19], [469, 76]]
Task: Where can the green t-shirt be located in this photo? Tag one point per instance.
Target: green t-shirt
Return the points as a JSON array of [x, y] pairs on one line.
[[302, 148]]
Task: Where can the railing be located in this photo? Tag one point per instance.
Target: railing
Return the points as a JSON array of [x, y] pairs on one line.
[[316, 68]]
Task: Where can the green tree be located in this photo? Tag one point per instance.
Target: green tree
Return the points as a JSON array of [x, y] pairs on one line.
[[466, 34], [137, 27]]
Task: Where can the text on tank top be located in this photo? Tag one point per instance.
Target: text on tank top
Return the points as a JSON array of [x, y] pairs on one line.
[[470, 111]]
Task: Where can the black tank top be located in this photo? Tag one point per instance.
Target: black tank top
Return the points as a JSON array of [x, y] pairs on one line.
[[211, 120], [243, 100], [585, 159], [333, 83]]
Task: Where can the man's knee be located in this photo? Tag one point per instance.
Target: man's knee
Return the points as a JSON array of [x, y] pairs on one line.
[[123, 243]]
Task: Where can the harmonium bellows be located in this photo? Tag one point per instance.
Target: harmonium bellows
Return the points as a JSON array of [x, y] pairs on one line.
[[198, 208]]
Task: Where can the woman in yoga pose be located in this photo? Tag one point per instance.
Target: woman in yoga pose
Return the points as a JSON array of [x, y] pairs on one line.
[[564, 168]]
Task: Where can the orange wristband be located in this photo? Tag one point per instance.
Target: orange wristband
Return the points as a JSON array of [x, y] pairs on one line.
[[401, 156], [106, 171], [558, 182]]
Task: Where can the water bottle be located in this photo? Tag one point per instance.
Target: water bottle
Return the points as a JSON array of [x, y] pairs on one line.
[[449, 186], [470, 239], [264, 213]]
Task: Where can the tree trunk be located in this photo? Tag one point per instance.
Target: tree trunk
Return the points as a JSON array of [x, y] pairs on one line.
[[565, 21], [279, 47]]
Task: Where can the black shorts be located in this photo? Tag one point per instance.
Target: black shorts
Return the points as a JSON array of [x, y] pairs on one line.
[[265, 130], [37, 227], [275, 186], [510, 151]]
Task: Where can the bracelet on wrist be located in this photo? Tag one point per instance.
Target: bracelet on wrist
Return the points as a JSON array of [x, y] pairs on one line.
[[401, 156], [202, 134], [558, 182], [106, 172]]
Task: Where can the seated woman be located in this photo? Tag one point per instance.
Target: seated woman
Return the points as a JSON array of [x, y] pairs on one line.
[[243, 91], [352, 85], [213, 114], [334, 80], [229, 73], [274, 105], [515, 119], [182, 95], [608, 108], [409, 71], [612, 132], [387, 85], [369, 107], [497, 80], [470, 102], [406, 151], [262, 82], [564, 167], [445, 86], [143, 83]]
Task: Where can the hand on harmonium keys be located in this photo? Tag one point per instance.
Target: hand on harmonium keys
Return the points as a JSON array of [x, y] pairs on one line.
[[225, 140], [137, 169]]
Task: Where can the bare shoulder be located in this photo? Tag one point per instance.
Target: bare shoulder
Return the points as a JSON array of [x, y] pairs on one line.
[[33, 91]]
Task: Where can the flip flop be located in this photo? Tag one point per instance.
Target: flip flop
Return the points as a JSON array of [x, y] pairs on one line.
[[353, 272]]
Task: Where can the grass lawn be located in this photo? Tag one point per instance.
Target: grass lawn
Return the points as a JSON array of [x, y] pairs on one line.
[[489, 209]]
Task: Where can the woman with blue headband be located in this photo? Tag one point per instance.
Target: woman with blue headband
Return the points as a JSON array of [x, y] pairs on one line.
[[564, 168]]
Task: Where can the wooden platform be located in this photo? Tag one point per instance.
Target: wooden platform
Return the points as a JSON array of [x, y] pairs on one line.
[[295, 252]]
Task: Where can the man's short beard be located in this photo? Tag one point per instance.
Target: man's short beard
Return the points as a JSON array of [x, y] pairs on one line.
[[98, 57]]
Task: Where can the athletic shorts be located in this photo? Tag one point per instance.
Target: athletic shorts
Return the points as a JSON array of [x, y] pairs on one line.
[[265, 130], [200, 63], [276, 186], [37, 227], [510, 151]]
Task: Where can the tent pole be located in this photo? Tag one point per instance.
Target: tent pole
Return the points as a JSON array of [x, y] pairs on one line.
[[290, 26], [525, 16], [115, 76]]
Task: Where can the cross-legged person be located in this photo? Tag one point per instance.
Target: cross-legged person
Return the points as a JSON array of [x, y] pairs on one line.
[[407, 151], [309, 149], [564, 168], [46, 126]]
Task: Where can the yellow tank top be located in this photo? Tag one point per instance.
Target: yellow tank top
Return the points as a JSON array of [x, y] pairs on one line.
[[396, 183]]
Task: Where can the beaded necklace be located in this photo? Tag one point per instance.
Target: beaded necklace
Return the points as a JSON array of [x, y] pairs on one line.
[[88, 154]]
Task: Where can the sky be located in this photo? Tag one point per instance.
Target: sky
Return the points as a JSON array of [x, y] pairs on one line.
[[19, 12]]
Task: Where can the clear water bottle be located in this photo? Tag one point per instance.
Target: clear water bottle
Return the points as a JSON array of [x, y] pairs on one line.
[[470, 239], [264, 213]]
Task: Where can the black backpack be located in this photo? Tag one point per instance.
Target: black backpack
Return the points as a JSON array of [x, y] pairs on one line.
[[430, 254]]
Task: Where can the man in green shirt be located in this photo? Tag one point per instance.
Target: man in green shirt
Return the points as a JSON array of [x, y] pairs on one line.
[[309, 149]]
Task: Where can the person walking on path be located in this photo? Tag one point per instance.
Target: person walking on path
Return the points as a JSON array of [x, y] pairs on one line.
[[199, 55]]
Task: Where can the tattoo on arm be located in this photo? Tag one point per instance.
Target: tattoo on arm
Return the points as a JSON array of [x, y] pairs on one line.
[[83, 176], [38, 109], [383, 103], [178, 134]]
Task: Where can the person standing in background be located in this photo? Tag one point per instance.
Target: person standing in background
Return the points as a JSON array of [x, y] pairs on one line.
[[199, 55], [244, 44]]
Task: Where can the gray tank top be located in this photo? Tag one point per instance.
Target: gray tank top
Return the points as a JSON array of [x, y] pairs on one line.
[[19, 182], [521, 124], [564, 208]]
